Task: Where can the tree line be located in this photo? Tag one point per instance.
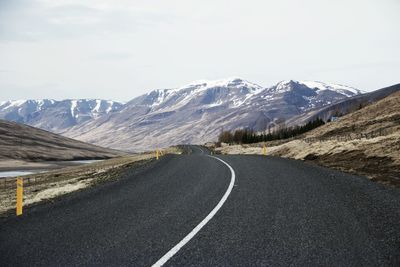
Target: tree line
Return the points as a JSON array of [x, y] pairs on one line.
[[248, 136]]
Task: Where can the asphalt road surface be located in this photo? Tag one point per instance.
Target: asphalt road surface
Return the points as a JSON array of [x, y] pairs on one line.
[[196, 210]]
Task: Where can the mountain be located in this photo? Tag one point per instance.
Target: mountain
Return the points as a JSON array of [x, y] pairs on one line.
[[197, 112], [56, 116], [344, 106], [364, 142], [22, 142], [375, 155]]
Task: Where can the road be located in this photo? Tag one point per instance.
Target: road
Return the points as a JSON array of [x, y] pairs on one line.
[[194, 210]]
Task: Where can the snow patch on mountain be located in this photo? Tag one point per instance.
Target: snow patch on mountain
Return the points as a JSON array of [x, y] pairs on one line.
[[234, 82], [195, 112], [331, 86], [74, 104], [184, 94], [97, 107], [283, 86], [53, 115], [13, 103], [111, 106]]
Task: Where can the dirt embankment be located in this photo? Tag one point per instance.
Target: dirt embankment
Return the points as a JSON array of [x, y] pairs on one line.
[[365, 142]]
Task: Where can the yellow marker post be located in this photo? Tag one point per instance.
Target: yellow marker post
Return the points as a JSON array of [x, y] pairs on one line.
[[20, 192], [264, 150], [157, 154]]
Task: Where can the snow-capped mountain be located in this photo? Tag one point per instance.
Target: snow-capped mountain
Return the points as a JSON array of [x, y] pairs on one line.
[[197, 112], [56, 116], [193, 113], [207, 94]]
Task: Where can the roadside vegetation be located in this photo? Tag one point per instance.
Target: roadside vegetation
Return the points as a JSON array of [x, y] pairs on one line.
[[46, 186], [364, 142], [246, 136]]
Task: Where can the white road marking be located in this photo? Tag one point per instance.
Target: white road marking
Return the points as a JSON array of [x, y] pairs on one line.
[[202, 152], [187, 238]]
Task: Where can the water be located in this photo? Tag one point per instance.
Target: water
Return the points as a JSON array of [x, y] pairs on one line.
[[16, 173], [85, 161]]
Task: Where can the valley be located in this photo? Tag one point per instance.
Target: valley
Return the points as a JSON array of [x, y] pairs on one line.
[[359, 134], [193, 113], [199, 133]]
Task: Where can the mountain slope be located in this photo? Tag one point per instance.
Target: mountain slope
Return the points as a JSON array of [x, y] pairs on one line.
[[344, 106], [56, 116], [364, 142], [22, 142], [197, 112]]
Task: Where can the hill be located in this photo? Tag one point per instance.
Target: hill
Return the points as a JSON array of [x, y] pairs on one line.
[[344, 106], [365, 142], [22, 142]]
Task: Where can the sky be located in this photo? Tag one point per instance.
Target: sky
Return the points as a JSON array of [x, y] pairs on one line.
[[121, 49]]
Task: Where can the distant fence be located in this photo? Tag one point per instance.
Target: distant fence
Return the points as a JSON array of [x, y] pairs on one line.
[[35, 179], [351, 136], [10, 182]]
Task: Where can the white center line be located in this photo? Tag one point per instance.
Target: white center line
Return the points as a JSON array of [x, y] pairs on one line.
[[187, 238], [201, 150]]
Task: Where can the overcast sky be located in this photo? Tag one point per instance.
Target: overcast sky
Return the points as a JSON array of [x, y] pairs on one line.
[[121, 49]]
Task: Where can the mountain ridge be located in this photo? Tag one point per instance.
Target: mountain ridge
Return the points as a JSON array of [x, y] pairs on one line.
[[193, 113], [55, 115], [198, 111]]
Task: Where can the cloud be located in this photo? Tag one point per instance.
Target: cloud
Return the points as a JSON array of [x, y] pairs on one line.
[[113, 56], [28, 21]]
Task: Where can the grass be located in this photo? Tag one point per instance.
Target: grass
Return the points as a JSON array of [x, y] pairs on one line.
[[46, 186], [365, 142]]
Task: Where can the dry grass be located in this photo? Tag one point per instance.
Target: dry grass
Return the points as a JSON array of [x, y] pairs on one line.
[[52, 184], [377, 158]]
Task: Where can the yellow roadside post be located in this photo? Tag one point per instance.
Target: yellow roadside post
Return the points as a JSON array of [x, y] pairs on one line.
[[264, 150], [20, 190], [157, 153]]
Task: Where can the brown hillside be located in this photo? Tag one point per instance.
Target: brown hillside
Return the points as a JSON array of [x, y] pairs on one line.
[[365, 142], [383, 115], [22, 142]]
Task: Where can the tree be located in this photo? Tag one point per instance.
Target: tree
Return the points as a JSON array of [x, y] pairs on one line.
[[248, 136], [238, 136], [225, 137]]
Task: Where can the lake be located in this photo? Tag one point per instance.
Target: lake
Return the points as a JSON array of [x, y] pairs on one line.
[[14, 173]]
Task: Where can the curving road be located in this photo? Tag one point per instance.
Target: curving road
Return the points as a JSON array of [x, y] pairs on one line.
[[199, 210]]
